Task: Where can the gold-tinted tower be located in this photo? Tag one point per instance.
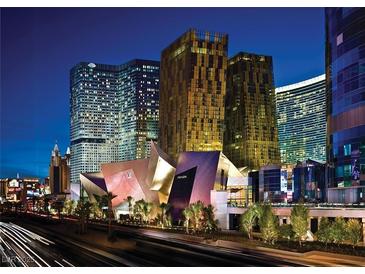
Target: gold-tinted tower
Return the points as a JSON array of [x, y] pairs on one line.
[[192, 89], [251, 136]]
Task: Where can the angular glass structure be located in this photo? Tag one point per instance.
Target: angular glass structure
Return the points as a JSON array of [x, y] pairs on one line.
[[149, 179], [301, 112], [250, 137], [205, 176], [345, 82], [192, 90]]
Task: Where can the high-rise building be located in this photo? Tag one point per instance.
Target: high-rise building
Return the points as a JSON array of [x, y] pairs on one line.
[[95, 117], [192, 90], [251, 137], [139, 106], [59, 171], [114, 113], [345, 85], [301, 113]]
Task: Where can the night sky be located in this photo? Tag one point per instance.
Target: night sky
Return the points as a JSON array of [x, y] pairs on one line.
[[39, 46]]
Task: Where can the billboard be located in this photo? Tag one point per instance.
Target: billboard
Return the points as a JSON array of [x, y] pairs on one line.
[[284, 180]]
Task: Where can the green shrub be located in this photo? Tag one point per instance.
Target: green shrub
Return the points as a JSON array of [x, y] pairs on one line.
[[286, 231]]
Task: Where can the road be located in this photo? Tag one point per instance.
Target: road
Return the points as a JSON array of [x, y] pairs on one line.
[[55, 244], [22, 247], [35, 245]]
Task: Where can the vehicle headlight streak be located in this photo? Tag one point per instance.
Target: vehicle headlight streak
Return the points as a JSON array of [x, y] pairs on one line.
[[21, 238]]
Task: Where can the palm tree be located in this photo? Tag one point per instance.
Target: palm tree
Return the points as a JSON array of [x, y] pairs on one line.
[[46, 206], [248, 220], [197, 212], [130, 206], [164, 209], [58, 205], [137, 210], [83, 211], [96, 211], [188, 214], [147, 208], [69, 207], [210, 223], [107, 199]]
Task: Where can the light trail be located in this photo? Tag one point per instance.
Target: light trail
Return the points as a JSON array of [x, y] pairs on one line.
[[15, 239], [34, 235], [28, 248], [9, 228], [58, 263], [10, 237], [68, 263]]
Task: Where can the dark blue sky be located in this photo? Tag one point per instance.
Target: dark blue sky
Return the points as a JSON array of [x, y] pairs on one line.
[[39, 46]]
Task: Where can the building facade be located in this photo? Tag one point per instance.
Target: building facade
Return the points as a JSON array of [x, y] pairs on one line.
[[149, 179], [275, 183], [59, 171], [301, 115], [345, 83], [114, 114], [250, 137], [139, 107], [3, 188], [309, 181], [94, 117], [192, 90], [20, 189]]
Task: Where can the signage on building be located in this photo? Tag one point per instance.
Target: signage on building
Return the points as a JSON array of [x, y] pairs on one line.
[[284, 181], [13, 183]]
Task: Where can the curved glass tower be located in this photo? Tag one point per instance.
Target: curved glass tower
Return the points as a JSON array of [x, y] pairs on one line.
[[301, 114], [345, 83]]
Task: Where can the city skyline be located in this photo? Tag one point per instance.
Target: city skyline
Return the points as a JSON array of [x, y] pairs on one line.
[[41, 100]]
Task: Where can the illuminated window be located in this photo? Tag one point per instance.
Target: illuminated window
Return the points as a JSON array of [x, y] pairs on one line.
[[347, 149], [339, 39]]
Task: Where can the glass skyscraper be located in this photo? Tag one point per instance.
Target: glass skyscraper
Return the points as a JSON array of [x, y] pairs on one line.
[[251, 137], [301, 114], [94, 124], [345, 82], [139, 106], [193, 86], [114, 113]]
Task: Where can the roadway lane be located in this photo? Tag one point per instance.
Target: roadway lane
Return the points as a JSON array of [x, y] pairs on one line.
[[21, 247], [149, 250]]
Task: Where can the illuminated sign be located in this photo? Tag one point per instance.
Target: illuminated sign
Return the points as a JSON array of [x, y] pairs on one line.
[[284, 181], [13, 183]]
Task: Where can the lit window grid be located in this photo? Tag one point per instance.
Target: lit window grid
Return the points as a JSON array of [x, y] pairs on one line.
[[192, 93], [301, 115], [251, 138]]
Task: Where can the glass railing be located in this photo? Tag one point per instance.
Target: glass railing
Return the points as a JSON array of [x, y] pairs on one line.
[[312, 205]]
